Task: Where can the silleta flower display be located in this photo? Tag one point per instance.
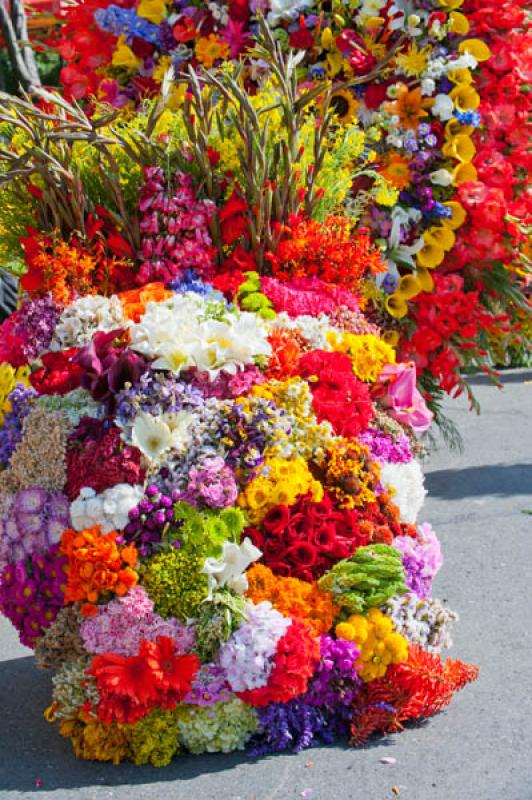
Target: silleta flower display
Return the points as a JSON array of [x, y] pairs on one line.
[[214, 389]]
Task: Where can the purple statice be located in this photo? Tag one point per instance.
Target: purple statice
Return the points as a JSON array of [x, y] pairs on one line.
[[226, 386], [155, 393], [122, 624], [149, 520], [385, 449], [32, 521], [422, 559], [294, 726], [35, 324], [336, 680], [20, 400], [208, 687], [246, 431], [31, 593], [212, 483]]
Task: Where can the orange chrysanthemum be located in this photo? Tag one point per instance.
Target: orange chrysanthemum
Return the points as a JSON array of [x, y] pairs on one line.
[[134, 301], [396, 170], [96, 566], [293, 598]]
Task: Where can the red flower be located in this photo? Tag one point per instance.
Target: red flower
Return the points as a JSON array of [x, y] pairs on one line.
[[172, 673], [233, 219], [59, 373]]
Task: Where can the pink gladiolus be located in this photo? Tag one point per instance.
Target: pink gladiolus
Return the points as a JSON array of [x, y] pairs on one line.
[[403, 400]]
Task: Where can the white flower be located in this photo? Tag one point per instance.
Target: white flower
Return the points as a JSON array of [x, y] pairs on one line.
[[286, 9], [151, 435], [442, 177], [227, 346], [428, 87], [109, 509], [443, 107], [230, 569], [406, 482], [84, 317]]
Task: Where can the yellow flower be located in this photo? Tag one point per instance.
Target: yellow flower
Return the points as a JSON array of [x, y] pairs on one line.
[[209, 49], [377, 640], [478, 49], [396, 306], [453, 128], [334, 63], [464, 173], [458, 215], [465, 97], [414, 61], [386, 194], [408, 287], [9, 377], [440, 236], [396, 170], [282, 481], [462, 75], [344, 105], [461, 148], [124, 56], [328, 41], [368, 354], [451, 4], [177, 98], [458, 23], [425, 279], [430, 256], [391, 338], [154, 10]]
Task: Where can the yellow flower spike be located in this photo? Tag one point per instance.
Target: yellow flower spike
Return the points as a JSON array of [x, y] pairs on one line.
[[408, 287], [464, 173], [124, 56], [458, 215], [391, 338], [460, 147], [430, 256], [478, 49], [441, 237], [335, 63], [457, 76], [465, 97], [458, 23], [425, 280], [396, 306]]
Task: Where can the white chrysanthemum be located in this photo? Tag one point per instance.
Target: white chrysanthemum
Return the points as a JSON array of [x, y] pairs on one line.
[[109, 509], [407, 484], [84, 317]]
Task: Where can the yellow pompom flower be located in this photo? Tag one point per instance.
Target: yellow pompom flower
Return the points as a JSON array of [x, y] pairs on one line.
[[281, 482], [377, 640], [9, 377], [209, 49], [368, 354]]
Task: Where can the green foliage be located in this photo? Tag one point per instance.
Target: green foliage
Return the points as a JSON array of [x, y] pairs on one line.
[[153, 739], [366, 580], [216, 621]]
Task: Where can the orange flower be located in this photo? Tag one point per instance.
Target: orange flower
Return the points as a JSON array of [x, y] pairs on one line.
[[409, 106], [134, 301], [293, 598], [396, 170], [286, 350], [96, 566]]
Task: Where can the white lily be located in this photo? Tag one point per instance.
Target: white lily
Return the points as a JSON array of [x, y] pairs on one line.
[[230, 569]]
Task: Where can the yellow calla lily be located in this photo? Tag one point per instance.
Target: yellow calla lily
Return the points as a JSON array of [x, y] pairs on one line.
[[458, 23], [476, 47], [335, 63], [408, 287], [124, 56], [430, 256], [464, 173], [425, 280], [453, 128], [458, 215], [460, 76], [441, 237], [396, 306], [451, 4], [460, 147], [153, 10], [391, 338], [465, 97]]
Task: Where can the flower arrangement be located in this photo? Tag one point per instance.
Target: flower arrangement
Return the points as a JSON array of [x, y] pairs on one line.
[[210, 496]]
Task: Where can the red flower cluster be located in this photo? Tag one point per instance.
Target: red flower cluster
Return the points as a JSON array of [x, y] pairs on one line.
[[337, 395], [131, 686], [97, 457], [414, 689], [58, 374], [296, 658], [304, 540]]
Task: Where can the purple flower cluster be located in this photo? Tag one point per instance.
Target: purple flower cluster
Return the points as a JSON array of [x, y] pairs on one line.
[[422, 559], [155, 393], [35, 325], [11, 432], [336, 680], [213, 484], [226, 386], [32, 521], [385, 449], [31, 593], [174, 228], [209, 686], [294, 726], [148, 520]]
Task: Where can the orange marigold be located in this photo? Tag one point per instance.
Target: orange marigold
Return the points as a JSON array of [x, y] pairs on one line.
[[97, 566], [329, 250], [293, 598]]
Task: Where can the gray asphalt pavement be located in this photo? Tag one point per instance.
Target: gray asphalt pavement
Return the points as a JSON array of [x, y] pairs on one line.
[[479, 749]]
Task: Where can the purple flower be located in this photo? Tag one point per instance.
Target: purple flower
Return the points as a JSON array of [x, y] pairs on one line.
[[422, 559]]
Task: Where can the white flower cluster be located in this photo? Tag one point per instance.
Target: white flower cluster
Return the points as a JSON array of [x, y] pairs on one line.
[[109, 509], [407, 484], [247, 656], [179, 336], [81, 319], [230, 569], [427, 623]]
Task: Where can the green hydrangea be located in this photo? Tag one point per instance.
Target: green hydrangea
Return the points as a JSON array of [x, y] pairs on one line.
[[204, 532], [174, 582], [366, 580], [218, 728], [154, 739]]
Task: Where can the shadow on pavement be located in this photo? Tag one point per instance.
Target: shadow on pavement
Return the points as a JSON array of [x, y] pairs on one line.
[[503, 480]]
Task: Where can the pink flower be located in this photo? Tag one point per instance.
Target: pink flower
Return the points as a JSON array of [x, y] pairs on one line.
[[403, 400]]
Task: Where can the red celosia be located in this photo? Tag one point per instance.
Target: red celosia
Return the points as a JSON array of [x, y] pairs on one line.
[[58, 374], [414, 689], [131, 686], [337, 395], [295, 661]]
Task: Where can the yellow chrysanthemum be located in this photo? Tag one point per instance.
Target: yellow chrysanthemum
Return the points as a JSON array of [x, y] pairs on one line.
[[414, 61], [210, 48], [368, 354]]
